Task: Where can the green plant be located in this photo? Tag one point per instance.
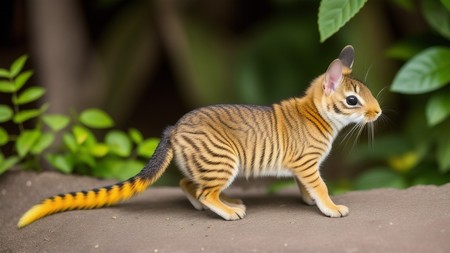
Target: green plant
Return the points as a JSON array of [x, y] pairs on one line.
[[412, 156], [120, 155]]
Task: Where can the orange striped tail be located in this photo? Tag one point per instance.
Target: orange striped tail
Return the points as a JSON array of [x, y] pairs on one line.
[[105, 196], [96, 198]]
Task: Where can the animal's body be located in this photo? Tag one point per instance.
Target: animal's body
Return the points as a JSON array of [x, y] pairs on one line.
[[213, 145]]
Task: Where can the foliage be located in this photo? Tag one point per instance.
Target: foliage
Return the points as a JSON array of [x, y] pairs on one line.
[[412, 156], [120, 155]]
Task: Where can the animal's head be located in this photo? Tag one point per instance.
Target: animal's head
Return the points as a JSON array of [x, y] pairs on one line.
[[345, 99]]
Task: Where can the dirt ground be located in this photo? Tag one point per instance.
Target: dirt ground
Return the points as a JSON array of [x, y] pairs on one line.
[[162, 220]]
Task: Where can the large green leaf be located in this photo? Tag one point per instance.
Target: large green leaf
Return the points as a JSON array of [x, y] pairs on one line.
[[6, 113], [427, 71], [4, 73], [117, 168], [119, 143], [4, 138], [43, 143], [437, 16], [148, 147], [135, 135], [70, 142], [96, 118], [30, 95], [25, 115], [56, 121], [26, 141], [6, 87], [22, 79], [438, 109], [333, 14], [99, 149], [81, 134], [17, 65], [63, 163]]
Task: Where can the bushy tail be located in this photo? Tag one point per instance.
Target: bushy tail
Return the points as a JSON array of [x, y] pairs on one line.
[[108, 195]]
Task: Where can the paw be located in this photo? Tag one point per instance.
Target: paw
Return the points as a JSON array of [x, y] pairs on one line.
[[336, 211], [238, 212], [308, 200]]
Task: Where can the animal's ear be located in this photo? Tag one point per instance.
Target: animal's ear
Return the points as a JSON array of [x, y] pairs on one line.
[[347, 56], [333, 77]]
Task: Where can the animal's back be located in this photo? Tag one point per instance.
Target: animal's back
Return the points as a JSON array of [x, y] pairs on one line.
[[244, 137]]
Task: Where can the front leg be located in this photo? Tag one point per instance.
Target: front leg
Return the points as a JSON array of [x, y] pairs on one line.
[[308, 177], [307, 199]]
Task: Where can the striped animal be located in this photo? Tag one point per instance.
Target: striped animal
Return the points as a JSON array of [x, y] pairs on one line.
[[215, 144]]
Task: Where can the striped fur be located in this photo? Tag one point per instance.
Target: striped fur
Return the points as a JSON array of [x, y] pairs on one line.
[[105, 196], [213, 145]]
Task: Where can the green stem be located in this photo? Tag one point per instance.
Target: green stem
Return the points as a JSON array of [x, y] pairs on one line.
[[16, 106]]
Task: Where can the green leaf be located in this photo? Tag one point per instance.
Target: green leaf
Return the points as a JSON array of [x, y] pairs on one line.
[[22, 79], [86, 157], [25, 115], [43, 143], [119, 143], [135, 135], [56, 121], [26, 141], [70, 142], [117, 168], [6, 113], [438, 109], [81, 134], [6, 87], [446, 3], [378, 178], [99, 150], [333, 14], [443, 155], [63, 163], [4, 138], [17, 65], [8, 163], [148, 147], [4, 73], [437, 16], [29, 95], [427, 71], [96, 118]]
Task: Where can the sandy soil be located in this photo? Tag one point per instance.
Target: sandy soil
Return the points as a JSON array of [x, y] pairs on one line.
[[162, 220]]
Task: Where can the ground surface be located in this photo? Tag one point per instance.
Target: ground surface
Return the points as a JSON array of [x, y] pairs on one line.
[[162, 220]]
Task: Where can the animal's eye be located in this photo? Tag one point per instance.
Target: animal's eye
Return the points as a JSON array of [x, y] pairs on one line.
[[351, 100]]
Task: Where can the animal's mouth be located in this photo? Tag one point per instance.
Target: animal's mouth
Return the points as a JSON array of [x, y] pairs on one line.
[[372, 116]]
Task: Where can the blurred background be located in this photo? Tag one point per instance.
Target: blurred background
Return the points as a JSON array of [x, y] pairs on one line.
[[147, 63]]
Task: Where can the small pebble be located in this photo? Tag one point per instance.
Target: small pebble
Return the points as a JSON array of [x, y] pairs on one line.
[[28, 183], [96, 246], [114, 217], [285, 244], [4, 192], [202, 249], [391, 223], [156, 251]]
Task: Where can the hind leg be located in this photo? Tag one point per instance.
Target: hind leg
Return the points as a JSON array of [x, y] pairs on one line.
[[190, 190], [228, 211]]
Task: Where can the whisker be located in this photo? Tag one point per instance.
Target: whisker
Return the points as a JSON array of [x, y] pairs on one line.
[[367, 73], [349, 134], [360, 129]]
